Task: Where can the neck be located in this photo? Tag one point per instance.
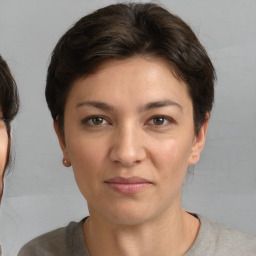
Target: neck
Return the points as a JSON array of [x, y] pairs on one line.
[[173, 234]]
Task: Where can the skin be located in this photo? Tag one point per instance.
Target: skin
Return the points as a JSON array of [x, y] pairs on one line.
[[144, 128], [3, 152]]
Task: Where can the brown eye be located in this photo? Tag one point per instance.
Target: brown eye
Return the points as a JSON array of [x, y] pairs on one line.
[[159, 120], [97, 120]]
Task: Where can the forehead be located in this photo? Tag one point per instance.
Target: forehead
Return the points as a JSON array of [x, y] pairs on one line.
[[136, 78], [139, 63]]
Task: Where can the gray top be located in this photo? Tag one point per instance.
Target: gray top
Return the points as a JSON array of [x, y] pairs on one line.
[[212, 240]]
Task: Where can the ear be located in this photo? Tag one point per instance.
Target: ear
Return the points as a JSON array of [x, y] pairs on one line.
[[198, 143], [61, 139]]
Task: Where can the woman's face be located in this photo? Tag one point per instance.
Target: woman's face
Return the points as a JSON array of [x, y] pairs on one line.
[[129, 135], [3, 151]]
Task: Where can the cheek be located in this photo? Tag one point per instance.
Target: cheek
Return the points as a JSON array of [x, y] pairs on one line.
[[3, 156], [3, 150], [87, 159], [85, 152], [171, 158]]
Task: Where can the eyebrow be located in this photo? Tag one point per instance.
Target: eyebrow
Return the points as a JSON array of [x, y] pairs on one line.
[[96, 104], [148, 106], [160, 104]]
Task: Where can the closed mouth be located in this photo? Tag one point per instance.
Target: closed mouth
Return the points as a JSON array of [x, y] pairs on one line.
[[129, 185]]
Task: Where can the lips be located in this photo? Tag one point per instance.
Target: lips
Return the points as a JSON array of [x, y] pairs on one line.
[[129, 185]]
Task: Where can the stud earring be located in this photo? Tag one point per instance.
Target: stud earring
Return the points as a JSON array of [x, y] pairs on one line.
[[66, 163]]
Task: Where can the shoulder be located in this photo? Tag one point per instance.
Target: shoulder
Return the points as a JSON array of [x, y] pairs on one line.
[[216, 239], [56, 242]]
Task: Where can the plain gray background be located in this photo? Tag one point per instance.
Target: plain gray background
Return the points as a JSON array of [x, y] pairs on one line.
[[40, 194]]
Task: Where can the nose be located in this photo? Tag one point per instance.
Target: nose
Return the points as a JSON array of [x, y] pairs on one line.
[[128, 148]]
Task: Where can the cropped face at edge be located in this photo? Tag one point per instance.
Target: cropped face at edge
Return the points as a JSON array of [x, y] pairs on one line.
[[3, 151], [129, 135]]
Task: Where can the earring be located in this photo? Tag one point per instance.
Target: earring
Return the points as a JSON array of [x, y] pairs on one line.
[[66, 163]]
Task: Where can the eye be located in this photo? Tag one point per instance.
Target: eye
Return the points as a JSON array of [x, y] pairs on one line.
[[160, 120], [95, 121]]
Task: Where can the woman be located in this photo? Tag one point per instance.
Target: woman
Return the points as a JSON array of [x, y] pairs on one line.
[[130, 90], [9, 105]]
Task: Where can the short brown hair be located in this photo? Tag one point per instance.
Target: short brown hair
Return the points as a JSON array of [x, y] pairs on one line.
[[124, 30], [9, 99]]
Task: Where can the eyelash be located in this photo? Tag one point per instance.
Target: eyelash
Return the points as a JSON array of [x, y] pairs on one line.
[[89, 121], [165, 119]]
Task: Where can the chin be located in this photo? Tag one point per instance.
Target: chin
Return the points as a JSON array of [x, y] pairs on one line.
[[127, 214]]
